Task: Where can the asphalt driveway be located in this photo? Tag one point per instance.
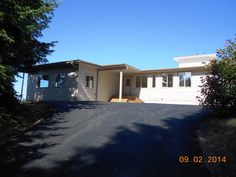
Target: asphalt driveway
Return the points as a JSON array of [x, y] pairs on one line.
[[95, 139]]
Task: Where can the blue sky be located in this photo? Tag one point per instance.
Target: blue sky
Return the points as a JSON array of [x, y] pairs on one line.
[[144, 33]]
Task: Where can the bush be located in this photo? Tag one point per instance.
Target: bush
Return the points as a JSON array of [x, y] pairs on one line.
[[218, 91]]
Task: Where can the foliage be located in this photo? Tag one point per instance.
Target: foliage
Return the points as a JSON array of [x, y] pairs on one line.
[[21, 25], [7, 92], [219, 86]]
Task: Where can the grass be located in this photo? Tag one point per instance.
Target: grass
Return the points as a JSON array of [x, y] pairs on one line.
[[218, 138]]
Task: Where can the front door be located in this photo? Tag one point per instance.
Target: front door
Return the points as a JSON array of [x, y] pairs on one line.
[[127, 85]]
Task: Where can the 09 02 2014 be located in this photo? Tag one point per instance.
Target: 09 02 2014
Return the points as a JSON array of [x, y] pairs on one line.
[[200, 159]]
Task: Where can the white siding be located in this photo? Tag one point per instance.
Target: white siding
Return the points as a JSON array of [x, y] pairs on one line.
[[195, 60], [192, 64], [74, 87], [66, 92], [173, 95], [84, 93], [108, 85]]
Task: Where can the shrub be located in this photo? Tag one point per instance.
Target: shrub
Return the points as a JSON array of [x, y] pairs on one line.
[[218, 91]]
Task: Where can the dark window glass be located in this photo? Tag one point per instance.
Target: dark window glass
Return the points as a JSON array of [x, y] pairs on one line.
[[164, 80], [170, 80], [188, 79], [60, 79], [154, 81], [144, 81], [138, 81], [89, 81], [181, 79]]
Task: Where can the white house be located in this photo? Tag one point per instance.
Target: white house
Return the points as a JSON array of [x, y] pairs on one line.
[[83, 81]]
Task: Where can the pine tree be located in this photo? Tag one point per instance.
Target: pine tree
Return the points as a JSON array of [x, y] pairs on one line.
[[21, 26]]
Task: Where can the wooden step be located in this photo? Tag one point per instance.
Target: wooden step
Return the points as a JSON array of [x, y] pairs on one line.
[[135, 101], [130, 99], [117, 100]]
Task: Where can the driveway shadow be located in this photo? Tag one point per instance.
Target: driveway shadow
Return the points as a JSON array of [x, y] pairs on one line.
[[26, 148], [143, 150], [138, 150], [67, 106]]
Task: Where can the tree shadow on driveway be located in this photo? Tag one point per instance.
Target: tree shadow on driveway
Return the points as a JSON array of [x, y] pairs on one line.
[[26, 148], [67, 106], [140, 149], [144, 150]]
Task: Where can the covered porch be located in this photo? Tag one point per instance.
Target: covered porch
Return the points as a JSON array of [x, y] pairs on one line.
[[116, 83]]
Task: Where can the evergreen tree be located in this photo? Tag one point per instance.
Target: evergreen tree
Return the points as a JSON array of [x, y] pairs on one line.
[[21, 26]]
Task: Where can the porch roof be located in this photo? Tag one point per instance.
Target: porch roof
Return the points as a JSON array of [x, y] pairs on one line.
[[118, 67], [114, 67]]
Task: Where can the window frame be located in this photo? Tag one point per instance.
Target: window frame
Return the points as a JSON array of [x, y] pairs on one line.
[[40, 78], [87, 82], [184, 79], [141, 81], [55, 84]]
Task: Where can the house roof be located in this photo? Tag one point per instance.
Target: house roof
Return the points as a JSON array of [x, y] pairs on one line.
[[62, 64], [78, 61], [113, 67]]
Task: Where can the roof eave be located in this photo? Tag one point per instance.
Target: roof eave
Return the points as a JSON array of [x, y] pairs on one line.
[[73, 63], [201, 68], [211, 56]]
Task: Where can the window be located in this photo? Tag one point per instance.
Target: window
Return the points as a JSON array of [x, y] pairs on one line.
[[153, 81], [138, 81], [181, 79], [188, 79], [167, 80], [141, 81], [185, 79], [144, 81], [60, 79], [89, 81], [43, 80]]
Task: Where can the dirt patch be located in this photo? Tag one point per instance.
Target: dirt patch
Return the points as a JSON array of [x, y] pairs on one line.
[[217, 138], [23, 117]]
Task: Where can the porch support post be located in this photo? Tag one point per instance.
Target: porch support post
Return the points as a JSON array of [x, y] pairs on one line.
[[121, 86]]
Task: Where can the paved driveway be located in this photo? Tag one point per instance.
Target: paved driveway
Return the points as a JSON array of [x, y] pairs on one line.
[[93, 139]]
